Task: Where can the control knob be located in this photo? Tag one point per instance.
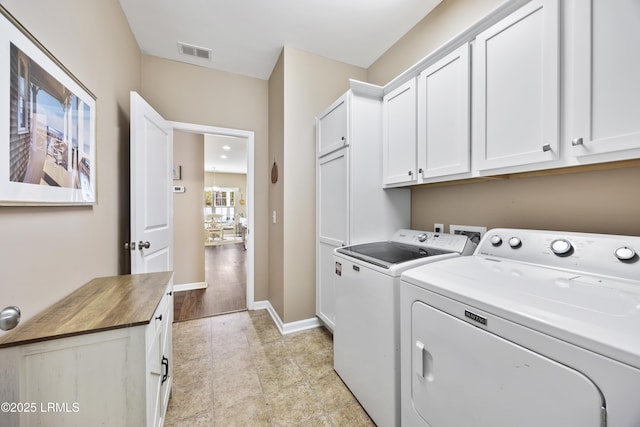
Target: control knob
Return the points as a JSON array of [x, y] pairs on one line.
[[515, 242], [496, 240], [422, 237], [561, 247], [625, 253]]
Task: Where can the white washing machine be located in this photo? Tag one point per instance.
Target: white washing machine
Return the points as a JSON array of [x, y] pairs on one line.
[[537, 328], [366, 336]]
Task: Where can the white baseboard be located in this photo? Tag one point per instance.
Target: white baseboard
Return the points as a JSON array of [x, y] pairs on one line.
[[287, 328], [190, 286]]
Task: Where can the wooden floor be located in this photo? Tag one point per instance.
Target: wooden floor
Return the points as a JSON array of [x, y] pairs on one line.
[[227, 291]]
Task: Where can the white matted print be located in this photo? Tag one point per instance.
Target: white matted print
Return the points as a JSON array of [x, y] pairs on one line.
[[48, 133]]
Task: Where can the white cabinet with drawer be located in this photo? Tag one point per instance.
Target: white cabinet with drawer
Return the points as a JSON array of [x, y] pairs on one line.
[[101, 356]]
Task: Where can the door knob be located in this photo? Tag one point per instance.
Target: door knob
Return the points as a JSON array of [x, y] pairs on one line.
[[145, 245], [9, 318]]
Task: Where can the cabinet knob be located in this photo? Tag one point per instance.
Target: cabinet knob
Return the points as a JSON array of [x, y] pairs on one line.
[[159, 318], [170, 293], [420, 170], [577, 141], [145, 245], [546, 147], [410, 173], [9, 317]]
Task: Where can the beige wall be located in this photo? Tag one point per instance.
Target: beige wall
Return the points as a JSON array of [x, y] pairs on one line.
[[188, 228], [596, 201], [276, 191], [603, 201], [188, 93], [47, 252], [311, 83], [447, 20]]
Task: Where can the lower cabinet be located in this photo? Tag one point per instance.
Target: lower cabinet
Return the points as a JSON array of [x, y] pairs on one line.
[[116, 377]]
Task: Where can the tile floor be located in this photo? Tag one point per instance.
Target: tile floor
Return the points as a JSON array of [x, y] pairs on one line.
[[237, 370]]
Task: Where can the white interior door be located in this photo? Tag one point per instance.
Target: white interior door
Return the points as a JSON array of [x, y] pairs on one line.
[[151, 198]]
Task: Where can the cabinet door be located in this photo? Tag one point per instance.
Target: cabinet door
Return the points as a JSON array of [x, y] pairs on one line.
[[332, 226], [605, 77], [443, 116], [399, 141], [516, 94], [332, 126]]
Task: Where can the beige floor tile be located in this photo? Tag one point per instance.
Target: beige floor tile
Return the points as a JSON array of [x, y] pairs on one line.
[[192, 371], [189, 401], [352, 416], [271, 352], [238, 370], [294, 405], [229, 344], [201, 420], [332, 392], [235, 386], [193, 348], [316, 364], [321, 421], [241, 360], [252, 411], [310, 341], [260, 336], [276, 376]]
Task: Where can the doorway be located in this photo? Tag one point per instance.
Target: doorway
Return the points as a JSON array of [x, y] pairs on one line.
[[225, 222]]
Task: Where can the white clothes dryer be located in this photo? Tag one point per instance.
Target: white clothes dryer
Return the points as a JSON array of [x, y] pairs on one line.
[[537, 328], [366, 336]]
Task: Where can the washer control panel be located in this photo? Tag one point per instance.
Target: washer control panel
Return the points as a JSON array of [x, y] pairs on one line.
[[586, 252]]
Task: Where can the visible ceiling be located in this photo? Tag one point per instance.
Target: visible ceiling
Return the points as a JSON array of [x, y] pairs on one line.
[[225, 154], [247, 36]]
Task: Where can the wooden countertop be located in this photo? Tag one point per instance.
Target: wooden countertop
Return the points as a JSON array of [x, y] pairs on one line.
[[102, 304]]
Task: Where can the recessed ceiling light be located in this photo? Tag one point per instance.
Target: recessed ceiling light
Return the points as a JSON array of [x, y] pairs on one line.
[[223, 157], [226, 147]]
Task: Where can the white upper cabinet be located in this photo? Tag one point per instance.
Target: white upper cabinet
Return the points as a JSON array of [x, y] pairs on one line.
[[332, 127], [399, 135], [516, 90], [605, 77], [443, 117]]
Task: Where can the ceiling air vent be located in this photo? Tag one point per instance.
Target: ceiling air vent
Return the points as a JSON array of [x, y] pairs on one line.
[[191, 50]]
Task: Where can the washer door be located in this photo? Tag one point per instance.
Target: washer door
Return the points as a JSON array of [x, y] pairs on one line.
[[463, 375]]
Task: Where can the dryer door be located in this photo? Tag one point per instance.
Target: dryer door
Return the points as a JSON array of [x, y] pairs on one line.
[[465, 376]]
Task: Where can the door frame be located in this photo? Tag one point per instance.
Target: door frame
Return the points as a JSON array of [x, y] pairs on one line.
[[249, 136]]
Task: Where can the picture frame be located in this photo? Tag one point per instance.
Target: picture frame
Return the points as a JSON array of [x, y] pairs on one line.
[[48, 142]]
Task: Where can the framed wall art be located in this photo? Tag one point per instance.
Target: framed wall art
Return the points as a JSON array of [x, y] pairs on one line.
[[48, 134]]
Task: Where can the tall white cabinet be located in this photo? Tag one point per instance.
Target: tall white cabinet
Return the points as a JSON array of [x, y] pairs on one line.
[[351, 205]]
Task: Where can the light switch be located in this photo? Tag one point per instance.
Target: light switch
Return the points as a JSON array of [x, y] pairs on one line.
[[274, 216]]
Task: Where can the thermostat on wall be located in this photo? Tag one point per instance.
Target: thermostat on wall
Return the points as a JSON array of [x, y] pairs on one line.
[[178, 188]]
